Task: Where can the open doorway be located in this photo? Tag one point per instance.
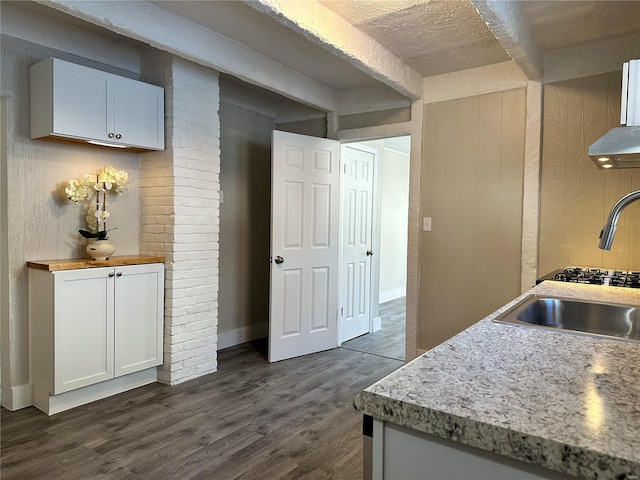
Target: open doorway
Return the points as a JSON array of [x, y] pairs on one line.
[[248, 117], [389, 267]]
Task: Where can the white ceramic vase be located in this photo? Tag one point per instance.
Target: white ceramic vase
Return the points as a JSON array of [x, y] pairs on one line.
[[100, 249]]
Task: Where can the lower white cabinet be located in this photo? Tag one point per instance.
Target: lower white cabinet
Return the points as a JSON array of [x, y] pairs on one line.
[[92, 330]]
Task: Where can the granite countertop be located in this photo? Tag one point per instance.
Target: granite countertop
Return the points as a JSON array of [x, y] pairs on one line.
[[570, 403]]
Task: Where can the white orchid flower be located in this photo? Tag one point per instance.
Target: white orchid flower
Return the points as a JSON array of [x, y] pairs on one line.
[[95, 189]]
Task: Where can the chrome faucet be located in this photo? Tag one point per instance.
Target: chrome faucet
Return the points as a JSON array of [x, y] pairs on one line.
[[609, 230]]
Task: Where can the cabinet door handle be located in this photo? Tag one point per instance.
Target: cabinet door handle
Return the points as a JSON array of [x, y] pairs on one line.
[[119, 274], [110, 135], [118, 136], [111, 275]]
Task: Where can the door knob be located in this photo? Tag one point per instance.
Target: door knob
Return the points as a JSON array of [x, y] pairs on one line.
[[111, 275], [110, 135], [369, 252], [279, 260], [118, 136], [119, 274]]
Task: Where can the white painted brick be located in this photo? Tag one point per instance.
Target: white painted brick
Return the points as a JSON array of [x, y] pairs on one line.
[[148, 182], [208, 185], [179, 302], [180, 213], [208, 298], [188, 191], [185, 172], [185, 337], [202, 290], [152, 229], [159, 191], [170, 330], [208, 323], [202, 347], [175, 312], [171, 364], [211, 254], [187, 284], [193, 247], [157, 237], [184, 320], [188, 229], [199, 308], [202, 165], [156, 247], [172, 348], [200, 360], [200, 266], [175, 293]]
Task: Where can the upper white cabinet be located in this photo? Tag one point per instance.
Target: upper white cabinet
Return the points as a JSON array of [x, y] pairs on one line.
[[76, 102]]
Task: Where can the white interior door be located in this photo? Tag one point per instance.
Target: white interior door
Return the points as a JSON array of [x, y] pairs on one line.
[[357, 215], [305, 201]]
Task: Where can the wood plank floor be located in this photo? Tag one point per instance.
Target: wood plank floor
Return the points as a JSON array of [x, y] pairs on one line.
[[390, 340], [250, 420]]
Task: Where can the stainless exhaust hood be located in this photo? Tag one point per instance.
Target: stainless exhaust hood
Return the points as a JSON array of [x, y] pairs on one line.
[[620, 146]]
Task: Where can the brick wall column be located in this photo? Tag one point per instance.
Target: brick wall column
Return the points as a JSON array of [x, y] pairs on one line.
[[179, 213]]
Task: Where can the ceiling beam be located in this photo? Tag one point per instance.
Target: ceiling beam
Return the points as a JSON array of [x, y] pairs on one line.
[[508, 26], [168, 32], [329, 30]]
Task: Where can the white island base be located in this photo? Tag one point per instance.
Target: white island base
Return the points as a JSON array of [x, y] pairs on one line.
[[401, 453]]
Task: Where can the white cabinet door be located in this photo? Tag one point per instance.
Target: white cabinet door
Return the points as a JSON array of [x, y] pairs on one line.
[[138, 113], [77, 102], [83, 327], [138, 317], [82, 98]]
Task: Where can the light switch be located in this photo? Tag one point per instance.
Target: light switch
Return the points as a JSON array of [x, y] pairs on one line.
[[221, 196], [426, 224]]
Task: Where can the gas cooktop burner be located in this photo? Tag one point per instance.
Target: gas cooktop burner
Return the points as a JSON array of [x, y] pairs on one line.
[[614, 278]]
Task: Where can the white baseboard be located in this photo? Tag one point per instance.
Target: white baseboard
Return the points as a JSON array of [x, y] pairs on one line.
[[392, 294], [19, 397], [377, 324], [242, 335], [52, 404]]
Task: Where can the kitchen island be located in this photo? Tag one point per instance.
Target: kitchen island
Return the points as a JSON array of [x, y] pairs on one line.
[[507, 401]]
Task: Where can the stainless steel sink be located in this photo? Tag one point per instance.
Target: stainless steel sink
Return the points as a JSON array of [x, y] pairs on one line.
[[620, 322]]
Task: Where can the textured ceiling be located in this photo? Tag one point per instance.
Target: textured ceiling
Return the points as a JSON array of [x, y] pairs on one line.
[[432, 37], [558, 24], [440, 36], [240, 22]]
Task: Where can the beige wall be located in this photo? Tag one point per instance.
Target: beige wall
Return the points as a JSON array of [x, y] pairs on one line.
[[394, 185], [472, 187], [575, 195], [41, 222], [245, 179], [315, 127]]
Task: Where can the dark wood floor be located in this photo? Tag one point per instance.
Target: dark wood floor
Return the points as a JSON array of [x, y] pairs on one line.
[[251, 420], [390, 340]]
